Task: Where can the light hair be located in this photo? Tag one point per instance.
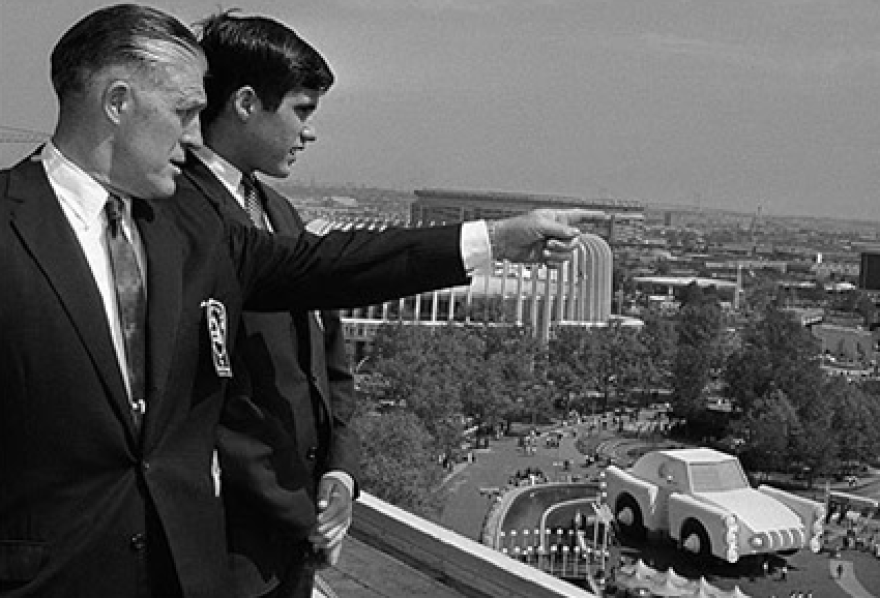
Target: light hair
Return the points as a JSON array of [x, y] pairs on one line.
[[139, 38]]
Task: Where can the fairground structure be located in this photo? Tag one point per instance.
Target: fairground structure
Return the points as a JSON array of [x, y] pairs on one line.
[[578, 294]]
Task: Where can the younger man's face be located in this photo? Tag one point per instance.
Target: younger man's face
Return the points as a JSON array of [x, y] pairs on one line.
[[275, 137]]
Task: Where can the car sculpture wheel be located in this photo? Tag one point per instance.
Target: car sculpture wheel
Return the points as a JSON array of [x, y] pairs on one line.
[[629, 519], [695, 539]]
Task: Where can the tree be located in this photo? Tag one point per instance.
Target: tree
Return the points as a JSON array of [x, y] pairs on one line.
[[760, 293], [569, 362], [512, 367], [854, 417], [399, 461], [658, 339], [776, 370], [698, 331], [581, 362], [414, 413], [426, 381], [620, 360], [776, 353], [814, 442], [429, 370], [767, 428], [612, 360]]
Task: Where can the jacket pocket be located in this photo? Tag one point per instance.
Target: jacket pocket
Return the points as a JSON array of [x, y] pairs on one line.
[[21, 560]]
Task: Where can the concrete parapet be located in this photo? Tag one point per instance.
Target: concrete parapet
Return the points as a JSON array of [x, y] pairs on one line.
[[471, 568]]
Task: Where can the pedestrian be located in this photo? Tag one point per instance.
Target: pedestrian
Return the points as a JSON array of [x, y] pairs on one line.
[[783, 572], [839, 570]]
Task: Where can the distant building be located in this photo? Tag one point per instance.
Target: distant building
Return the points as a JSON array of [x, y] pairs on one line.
[[869, 270], [578, 294], [664, 291], [626, 225]]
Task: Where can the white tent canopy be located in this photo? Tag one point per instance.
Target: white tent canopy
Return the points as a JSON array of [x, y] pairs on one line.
[[670, 583]]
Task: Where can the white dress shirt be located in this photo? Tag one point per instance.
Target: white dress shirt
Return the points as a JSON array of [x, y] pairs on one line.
[[82, 200]]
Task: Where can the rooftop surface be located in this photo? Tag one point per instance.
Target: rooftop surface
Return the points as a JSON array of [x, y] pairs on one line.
[[366, 572]]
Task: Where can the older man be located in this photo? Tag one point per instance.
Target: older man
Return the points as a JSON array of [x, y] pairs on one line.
[[118, 312]]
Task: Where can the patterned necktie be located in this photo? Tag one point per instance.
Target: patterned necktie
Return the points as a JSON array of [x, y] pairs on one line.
[[131, 303], [253, 201]]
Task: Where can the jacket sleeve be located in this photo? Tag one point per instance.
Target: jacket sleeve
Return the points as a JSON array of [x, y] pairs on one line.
[[345, 448], [343, 268]]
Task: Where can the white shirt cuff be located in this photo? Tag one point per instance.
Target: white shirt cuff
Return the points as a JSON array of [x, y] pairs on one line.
[[343, 478], [476, 251]]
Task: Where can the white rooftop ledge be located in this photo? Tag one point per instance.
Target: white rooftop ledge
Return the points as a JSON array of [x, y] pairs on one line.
[[461, 563]]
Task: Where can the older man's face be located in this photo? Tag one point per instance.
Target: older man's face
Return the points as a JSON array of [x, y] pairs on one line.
[[160, 122]]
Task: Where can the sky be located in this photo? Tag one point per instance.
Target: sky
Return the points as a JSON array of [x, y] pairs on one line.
[[735, 104]]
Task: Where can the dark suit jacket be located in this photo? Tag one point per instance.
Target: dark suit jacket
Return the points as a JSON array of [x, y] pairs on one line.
[[285, 424], [78, 489]]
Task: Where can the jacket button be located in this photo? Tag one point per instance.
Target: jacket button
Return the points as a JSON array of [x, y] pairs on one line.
[[312, 453], [138, 542]]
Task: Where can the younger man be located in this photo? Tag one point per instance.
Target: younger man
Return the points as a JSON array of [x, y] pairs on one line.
[[287, 454]]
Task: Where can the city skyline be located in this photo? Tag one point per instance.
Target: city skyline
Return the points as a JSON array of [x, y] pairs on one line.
[[730, 105]]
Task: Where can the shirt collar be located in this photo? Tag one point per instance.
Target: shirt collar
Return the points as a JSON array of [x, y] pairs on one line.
[[78, 192]]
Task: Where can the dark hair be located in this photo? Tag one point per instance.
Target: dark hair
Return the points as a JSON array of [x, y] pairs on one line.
[[257, 52], [125, 34]]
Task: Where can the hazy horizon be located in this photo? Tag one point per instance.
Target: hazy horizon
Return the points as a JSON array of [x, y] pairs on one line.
[[712, 103]]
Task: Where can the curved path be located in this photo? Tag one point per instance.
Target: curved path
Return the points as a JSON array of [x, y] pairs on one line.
[[848, 580]]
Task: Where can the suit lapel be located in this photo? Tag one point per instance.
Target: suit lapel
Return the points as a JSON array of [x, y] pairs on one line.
[[164, 294], [213, 190], [280, 214], [285, 221], [44, 229]]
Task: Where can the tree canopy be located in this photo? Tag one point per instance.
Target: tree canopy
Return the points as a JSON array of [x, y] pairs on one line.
[[432, 381]]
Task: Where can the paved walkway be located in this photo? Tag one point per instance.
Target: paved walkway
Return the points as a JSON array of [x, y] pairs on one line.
[[848, 580], [466, 509]]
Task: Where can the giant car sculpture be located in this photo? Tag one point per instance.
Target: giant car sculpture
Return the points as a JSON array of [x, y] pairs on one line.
[[702, 499]]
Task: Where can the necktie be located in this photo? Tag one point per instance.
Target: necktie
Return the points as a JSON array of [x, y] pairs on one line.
[[253, 201], [132, 305]]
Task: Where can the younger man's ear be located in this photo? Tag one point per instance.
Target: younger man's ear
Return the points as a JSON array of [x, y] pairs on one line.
[[245, 102]]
